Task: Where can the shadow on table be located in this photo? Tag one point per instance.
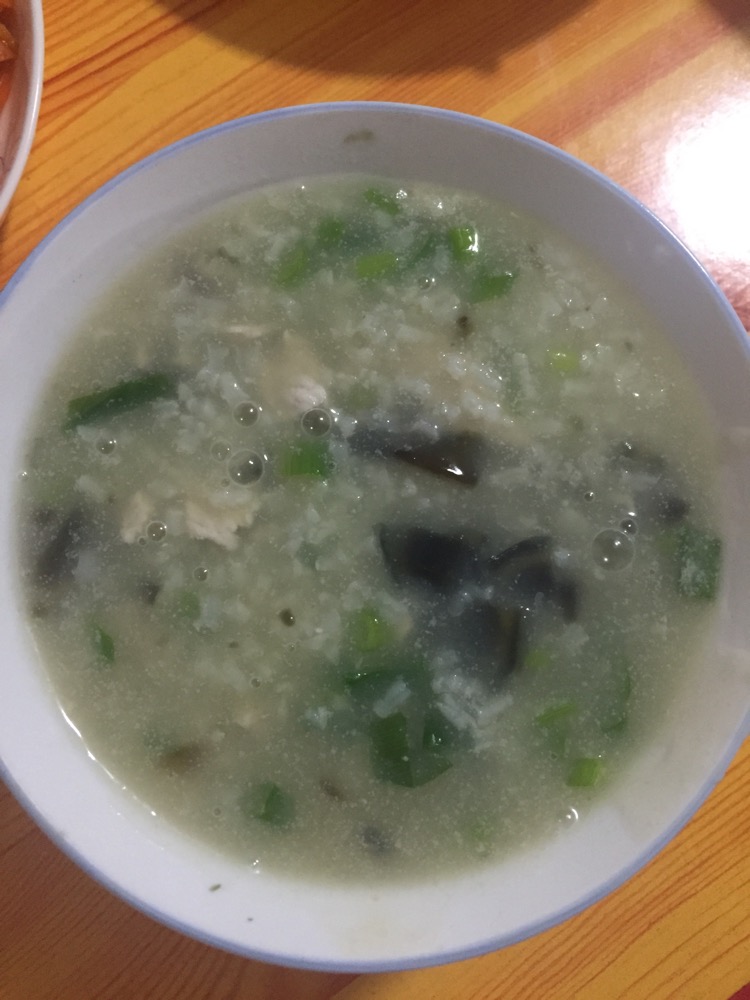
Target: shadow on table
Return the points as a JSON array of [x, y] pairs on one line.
[[368, 37]]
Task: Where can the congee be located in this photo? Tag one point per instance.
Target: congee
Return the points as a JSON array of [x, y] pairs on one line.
[[367, 529]]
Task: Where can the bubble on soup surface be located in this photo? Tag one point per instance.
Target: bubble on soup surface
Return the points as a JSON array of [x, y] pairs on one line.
[[245, 467], [316, 422], [613, 549], [156, 531], [247, 413], [106, 445]]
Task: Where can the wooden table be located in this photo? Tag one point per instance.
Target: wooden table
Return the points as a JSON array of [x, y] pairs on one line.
[[656, 93]]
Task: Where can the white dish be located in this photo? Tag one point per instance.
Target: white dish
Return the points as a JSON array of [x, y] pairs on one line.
[[19, 114], [261, 914]]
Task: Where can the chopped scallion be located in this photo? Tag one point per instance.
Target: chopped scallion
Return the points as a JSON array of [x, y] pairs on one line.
[[584, 772], [308, 457], [330, 232], [104, 644], [490, 285], [369, 630], [464, 242], [268, 803], [295, 265], [395, 760], [698, 563], [189, 605], [381, 199], [380, 264], [127, 395], [564, 362]]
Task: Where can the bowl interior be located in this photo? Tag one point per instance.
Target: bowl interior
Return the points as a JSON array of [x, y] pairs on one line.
[[19, 114], [256, 912]]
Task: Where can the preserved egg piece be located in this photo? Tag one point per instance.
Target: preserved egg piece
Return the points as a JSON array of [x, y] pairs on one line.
[[148, 591], [526, 570], [181, 759], [633, 457], [567, 597], [59, 556], [528, 552], [493, 640], [418, 555], [332, 789], [671, 508], [375, 840], [655, 491], [455, 456]]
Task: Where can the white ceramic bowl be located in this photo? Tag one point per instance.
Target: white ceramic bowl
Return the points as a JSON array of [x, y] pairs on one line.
[[19, 114], [265, 915]]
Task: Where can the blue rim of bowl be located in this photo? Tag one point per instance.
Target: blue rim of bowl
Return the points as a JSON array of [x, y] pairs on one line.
[[488, 944]]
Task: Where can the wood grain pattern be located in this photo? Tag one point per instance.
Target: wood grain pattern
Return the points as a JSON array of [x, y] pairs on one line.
[[657, 95]]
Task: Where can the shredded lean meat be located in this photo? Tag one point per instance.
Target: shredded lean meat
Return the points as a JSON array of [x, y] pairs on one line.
[[203, 518], [220, 523]]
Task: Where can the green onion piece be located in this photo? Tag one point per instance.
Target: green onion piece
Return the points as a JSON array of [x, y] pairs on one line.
[[488, 285], [376, 265], [369, 630], [480, 831], [104, 644], [423, 249], [396, 761], [698, 563], [268, 803], [188, 605], [119, 398], [307, 458], [584, 772], [295, 265], [537, 658], [614, 719], [380, 199], [441, 734], [390, 751], [329, 233], [555, 714], [555, 723], [368, 685], [464, 242], [564, 362]]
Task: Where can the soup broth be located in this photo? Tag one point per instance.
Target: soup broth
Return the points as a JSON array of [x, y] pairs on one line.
[[367, 529]]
